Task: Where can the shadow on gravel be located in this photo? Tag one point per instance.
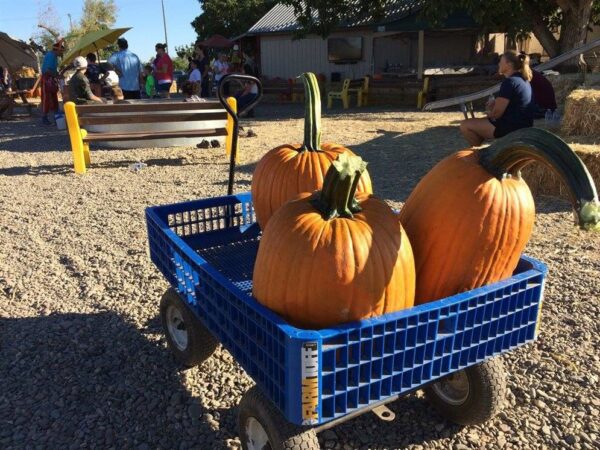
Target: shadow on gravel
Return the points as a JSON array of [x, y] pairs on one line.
[[65, 169], [95, 381], [31, 136], [416, 423]]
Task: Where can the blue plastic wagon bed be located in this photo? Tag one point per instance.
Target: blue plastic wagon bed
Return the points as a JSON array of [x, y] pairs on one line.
[[206, 250]]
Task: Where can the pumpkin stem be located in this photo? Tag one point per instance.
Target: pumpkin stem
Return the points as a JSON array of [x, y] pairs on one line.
[[516, 150], [336, 199], [312, 112]]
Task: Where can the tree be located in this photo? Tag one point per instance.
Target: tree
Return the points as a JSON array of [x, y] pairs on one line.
[[95, 15], [229, 17], [515, 17], [183, 52], [49, 26]]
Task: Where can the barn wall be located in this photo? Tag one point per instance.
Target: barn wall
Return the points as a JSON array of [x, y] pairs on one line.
[[283, 57]]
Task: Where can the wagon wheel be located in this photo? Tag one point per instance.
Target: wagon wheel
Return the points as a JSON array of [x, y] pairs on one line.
[[262, 427], [188, 339], [470, 396]]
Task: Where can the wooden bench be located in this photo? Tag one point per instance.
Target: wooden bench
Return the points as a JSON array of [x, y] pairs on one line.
[[279, 87], [79, 117]]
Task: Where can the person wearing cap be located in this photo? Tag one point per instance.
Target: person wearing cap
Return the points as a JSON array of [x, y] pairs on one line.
[[163, 71], [79, 86], [50, 81], [129, 69]]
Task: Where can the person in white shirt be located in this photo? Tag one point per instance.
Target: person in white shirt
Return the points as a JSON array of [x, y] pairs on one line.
[[249, 93], [221, 67], [195, 75]]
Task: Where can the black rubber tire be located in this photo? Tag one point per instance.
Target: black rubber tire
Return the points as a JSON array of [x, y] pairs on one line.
[[282, 434], [201, 343], [485, 399]]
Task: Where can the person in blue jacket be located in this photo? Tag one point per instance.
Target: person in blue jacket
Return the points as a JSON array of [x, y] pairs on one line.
[[512, 109]]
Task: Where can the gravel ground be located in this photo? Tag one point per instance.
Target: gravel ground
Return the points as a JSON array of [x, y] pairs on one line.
[[83, 362]]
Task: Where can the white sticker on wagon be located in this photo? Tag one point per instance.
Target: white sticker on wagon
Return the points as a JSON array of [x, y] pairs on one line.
[[309, 355], [539, 315]]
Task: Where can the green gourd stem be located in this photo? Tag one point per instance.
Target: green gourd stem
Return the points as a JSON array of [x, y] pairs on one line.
[[312, 113], [336, 199], [510, 154]]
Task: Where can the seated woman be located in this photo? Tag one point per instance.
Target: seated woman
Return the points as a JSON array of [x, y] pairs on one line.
[[248, 94], [512, 108], [543, 95]]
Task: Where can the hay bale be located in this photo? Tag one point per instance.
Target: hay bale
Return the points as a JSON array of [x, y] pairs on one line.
[[542, 181], [582, 113], [564, 84]]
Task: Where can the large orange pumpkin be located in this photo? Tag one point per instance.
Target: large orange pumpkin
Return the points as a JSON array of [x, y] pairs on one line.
[[290, 169], [331, 257], [470, 217]]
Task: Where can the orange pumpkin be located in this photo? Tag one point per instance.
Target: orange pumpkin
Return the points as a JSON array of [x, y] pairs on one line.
[[471, 216], [333, 257], [290, 169]]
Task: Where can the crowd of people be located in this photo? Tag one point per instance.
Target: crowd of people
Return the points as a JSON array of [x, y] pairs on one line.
[[524, 94], [123, 77]]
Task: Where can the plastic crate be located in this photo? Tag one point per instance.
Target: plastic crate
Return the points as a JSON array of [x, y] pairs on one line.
[[206, 249]]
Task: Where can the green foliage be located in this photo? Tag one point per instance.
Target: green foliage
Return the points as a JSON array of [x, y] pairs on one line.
[[180, 62], [95, 15], [183, 51], [334, 12], [49, 29], [229, 18], [515, 17]]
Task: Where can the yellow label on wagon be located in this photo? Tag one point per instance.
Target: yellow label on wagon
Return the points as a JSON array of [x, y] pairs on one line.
[[309, 355]]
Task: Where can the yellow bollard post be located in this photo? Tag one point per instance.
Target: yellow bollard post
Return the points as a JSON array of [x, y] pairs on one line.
[[232, 102], [86, 149], [75, 137]]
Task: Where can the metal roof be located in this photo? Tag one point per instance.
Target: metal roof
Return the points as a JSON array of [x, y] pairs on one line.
[[281, 18]]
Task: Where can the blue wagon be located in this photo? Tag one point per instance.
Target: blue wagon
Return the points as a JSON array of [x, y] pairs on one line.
[[311, 380]]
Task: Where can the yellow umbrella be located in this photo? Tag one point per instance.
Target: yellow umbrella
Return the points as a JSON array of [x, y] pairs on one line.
[[92, 42]]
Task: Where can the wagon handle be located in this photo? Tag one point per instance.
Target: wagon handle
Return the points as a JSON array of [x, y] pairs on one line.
[[234, 138]]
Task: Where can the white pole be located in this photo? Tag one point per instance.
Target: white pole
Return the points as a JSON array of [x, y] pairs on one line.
[[164, 23]]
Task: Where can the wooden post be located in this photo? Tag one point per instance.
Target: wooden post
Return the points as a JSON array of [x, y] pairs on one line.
[[421, 54], [232, 102]]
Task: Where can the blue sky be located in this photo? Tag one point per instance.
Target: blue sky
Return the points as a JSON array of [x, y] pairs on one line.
[[145, 16]]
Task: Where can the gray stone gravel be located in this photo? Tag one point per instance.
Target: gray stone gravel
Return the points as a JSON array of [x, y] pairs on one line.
[[83, 363]]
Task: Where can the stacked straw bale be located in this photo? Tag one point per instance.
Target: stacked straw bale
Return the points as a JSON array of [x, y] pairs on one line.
[[564, 84], [582, 113]]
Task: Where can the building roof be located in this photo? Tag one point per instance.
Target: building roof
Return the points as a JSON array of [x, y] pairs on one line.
[[281, 18]]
